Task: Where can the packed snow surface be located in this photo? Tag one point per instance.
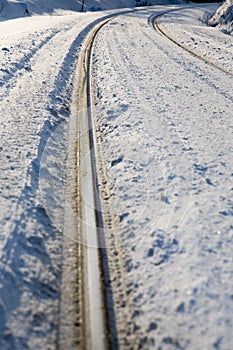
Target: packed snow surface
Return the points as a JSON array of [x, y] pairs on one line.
[[163, 120]]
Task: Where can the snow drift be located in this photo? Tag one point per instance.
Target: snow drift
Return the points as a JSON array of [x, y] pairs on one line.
[[3, 3], [13, 9], [223, 16], [43, 6]]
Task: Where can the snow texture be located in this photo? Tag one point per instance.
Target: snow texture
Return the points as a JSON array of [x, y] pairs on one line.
[[223, 17], [164, 122], [17, 8], [36, 82], [13, 9]]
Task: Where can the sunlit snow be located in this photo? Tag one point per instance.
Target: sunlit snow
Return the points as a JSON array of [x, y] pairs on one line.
[[163, 120]]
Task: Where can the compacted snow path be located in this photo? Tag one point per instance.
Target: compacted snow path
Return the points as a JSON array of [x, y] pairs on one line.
[[164, 124]]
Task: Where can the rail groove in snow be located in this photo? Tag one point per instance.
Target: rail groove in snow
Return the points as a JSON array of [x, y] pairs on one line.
[[154, 20], [95, 334]]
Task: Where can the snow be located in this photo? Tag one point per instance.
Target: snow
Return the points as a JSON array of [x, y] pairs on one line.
[[17, 8], [12, 9], [164, 127], [36, 88], [164, 124], [223, 17], [209, 43]]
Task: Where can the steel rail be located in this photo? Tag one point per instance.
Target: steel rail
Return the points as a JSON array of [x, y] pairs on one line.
[[157, 27], [94, 314], [93, 319]]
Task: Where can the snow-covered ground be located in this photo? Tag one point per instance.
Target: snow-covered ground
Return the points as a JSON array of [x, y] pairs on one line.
[[19, 8], [164, 120], [38, 58], [15, 8], [209, 43]]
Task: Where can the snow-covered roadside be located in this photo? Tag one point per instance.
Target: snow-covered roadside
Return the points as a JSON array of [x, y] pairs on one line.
[[38, 58], [164, 122]]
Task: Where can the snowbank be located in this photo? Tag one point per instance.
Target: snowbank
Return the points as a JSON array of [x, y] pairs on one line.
[[16, 8], [91, 5], [3, 4], [223, 16], [43, 6], [38, 6], [13, 9]]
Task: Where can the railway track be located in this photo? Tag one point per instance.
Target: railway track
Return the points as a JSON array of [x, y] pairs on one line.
[[94, 314], [83, 316], [87, 315], [87, 325], [154, 22]]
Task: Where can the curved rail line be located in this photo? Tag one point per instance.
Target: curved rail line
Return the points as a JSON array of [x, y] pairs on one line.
[[83, 320], [95, 320], [94, 313], [154, 21]]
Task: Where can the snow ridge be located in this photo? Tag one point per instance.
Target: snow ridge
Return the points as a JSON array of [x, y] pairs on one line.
[[223, 17]]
